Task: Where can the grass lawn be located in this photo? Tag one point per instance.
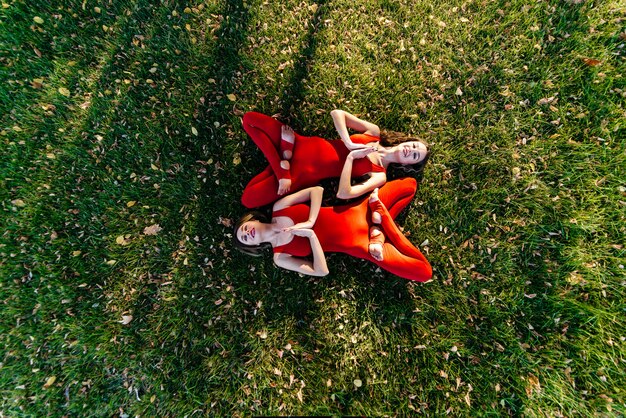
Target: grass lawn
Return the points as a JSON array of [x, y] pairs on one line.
[[122, 161]]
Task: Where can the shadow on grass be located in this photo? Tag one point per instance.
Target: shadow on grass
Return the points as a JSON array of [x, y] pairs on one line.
[[294, 92]]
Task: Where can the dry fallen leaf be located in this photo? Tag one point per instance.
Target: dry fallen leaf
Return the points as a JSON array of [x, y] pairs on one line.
[[194, 131], [591, 62], [37, 19], [19, 203], [126, 319], [231, 97], [358, 383], [65, 92], [533, 385], [227, 222], [152, 229]]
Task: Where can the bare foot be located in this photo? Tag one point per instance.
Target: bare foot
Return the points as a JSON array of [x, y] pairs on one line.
[[376, 243], [374, 195], [376, 251], [287, 135]]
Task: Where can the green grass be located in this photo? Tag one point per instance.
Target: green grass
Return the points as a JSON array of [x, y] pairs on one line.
[[522, 205]]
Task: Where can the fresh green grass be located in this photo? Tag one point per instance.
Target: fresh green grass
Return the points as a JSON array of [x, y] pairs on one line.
[[522, 207]]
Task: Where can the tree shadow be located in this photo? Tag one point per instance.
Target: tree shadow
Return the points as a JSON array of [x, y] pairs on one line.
[[294, 91]]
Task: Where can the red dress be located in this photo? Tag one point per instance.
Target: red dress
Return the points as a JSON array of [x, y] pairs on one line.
[[345, 229], [313, 159]]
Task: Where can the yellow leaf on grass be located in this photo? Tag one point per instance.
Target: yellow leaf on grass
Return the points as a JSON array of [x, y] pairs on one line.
[[126, 319], [37, 19], [50, 382], [65, 92], [76, 253], [194, 131], [131, 204], [19, 203], [96, 9], [231, 97], [120, 240]]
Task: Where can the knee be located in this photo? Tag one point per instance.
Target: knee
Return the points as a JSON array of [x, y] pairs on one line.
[[249, 201], [426, 273], [410, 183]]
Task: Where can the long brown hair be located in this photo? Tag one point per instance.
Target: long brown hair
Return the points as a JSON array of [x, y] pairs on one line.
[[253, 250], [392, 138]]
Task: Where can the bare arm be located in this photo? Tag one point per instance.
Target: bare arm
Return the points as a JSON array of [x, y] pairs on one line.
[[312, 194], [317, 267], [344, 121], [346, 189]]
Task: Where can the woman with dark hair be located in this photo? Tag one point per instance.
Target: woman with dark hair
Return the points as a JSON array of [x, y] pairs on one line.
[[301, 231], [297, 162]]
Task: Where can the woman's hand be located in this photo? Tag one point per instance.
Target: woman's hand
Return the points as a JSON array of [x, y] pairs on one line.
[[362, 152], [301, 225]]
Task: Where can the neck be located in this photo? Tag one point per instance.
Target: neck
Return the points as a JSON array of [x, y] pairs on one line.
[[267, 232], [387, 155]]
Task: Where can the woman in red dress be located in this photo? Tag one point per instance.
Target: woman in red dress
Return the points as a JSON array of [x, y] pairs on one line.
[[297, 162], [300, 227]]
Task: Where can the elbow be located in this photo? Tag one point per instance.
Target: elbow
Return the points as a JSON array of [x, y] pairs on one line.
[[323, 272], [336, 113], [342, 194]]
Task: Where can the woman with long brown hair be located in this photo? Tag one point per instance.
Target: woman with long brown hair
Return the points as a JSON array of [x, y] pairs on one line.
[[297, 162]]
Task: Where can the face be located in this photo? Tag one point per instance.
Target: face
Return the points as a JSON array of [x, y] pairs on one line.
[[410, 152], [248, 233]]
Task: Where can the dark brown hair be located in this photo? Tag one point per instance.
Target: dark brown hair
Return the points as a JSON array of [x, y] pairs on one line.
[[392, 138], [253, 250]]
